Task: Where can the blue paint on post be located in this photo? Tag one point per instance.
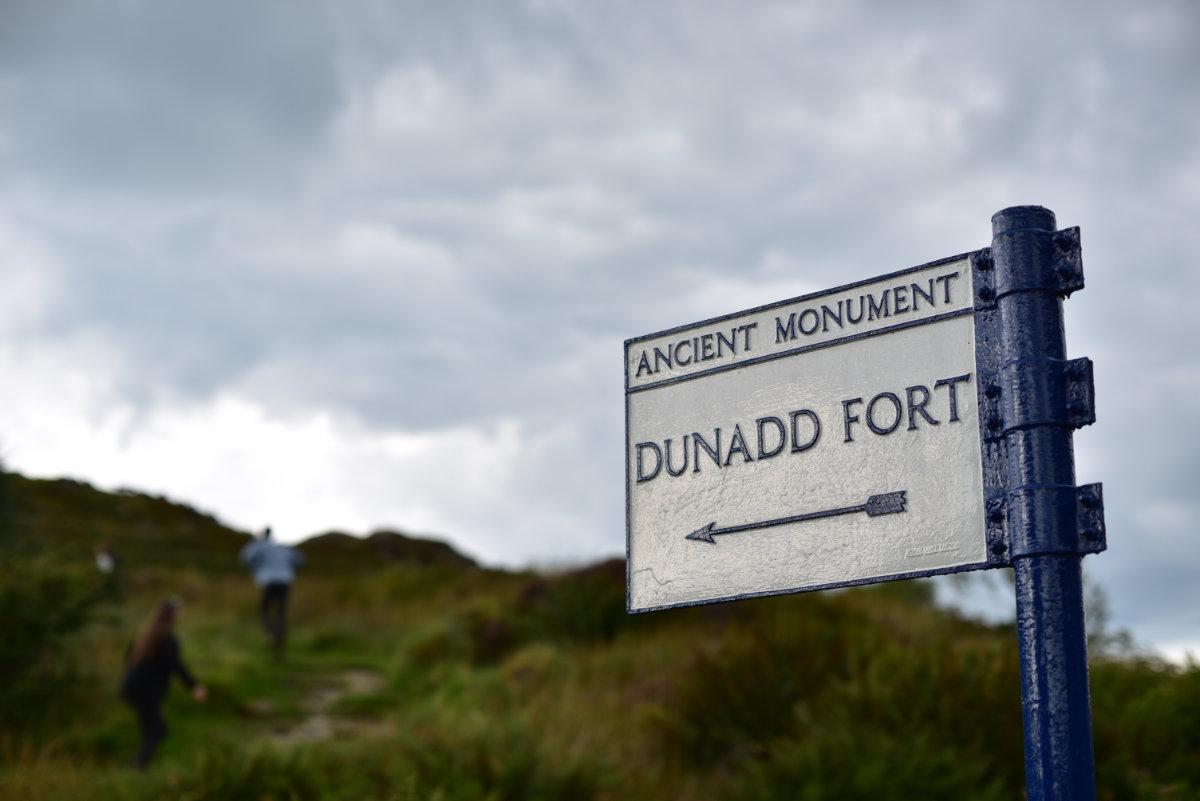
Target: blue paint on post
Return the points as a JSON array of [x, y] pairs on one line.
[[1035, 267]]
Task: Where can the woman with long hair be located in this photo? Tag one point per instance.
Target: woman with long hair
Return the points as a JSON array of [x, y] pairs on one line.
[[153, 658]]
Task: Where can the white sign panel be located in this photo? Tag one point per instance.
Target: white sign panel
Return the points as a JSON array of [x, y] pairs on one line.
[[822, 441]]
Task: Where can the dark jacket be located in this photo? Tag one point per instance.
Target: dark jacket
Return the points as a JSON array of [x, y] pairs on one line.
[[146, 682]]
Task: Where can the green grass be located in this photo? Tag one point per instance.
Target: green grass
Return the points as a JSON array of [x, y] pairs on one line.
[[439, 680]]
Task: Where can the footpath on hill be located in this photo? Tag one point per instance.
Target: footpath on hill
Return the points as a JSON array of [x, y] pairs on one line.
[[319, 703]]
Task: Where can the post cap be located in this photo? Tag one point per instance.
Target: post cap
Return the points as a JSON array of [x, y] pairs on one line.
[[1037, 218]]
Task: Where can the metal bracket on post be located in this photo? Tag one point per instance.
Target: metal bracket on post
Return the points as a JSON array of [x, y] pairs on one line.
[[1037, 392], [1074, 514], [987, 362], [1065, 257], [1085, 504]]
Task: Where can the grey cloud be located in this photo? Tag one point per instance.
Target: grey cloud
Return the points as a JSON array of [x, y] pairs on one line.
[[170, 98], [436, 215]]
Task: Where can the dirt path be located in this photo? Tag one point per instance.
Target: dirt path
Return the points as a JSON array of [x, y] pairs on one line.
[[321, 723]]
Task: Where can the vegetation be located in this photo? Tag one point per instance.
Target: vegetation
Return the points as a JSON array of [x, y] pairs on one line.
[[414, 674]]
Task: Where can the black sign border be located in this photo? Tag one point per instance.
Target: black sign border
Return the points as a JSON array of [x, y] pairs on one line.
[[992, 447]]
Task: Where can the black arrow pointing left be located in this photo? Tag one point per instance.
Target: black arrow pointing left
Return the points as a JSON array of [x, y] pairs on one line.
[[886, 504]]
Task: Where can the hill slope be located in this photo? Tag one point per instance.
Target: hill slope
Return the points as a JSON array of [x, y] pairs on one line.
[[410, 675], [72, 517]]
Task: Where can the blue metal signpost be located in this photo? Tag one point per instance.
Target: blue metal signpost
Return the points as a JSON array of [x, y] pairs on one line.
[[1029, 399], [1051, 523]]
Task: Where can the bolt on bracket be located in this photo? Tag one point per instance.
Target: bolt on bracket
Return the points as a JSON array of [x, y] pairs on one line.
[[1093, 536], [1068, 261], [984, 279], [996, 532]]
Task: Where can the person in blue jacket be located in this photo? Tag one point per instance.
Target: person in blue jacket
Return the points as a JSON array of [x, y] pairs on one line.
[[274, 567]]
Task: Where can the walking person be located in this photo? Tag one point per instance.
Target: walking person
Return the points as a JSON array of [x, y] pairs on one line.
[[152, 659], [274, 568]]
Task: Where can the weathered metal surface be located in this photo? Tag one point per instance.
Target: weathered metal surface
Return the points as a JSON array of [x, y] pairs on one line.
[[1036, 267], [797, 433]]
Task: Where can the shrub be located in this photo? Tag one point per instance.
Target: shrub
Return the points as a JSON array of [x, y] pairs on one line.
[[797, 683], [741, 688], [585, 605], [42, 606], [223, 773], [1147, 725], [499, 763], [841, 759]]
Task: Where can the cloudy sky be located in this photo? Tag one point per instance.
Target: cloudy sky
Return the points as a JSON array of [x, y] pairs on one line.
[[358, 264]]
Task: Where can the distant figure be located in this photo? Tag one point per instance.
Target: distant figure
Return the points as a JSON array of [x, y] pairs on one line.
[[274, 567], [106, 563], [152, 659]]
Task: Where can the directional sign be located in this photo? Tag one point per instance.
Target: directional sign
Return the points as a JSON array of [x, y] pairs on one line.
[[820, 441], [911, 424]]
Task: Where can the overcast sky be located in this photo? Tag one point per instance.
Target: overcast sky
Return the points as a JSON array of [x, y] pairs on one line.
[[362, 264]]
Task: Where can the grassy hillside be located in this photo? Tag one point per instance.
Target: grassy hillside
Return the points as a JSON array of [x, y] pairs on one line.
[[71, 518], [415, 674]]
